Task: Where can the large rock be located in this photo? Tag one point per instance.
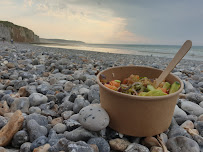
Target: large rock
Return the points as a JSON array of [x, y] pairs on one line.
[[7, 132], [93, 117], [182, 144]]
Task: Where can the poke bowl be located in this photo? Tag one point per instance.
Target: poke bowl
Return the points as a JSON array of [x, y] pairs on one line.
[[135, 115]]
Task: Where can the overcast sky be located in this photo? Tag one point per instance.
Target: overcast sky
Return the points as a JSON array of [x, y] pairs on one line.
[[110, 21]]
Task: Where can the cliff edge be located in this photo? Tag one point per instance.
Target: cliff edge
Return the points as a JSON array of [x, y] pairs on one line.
[[10, 31]]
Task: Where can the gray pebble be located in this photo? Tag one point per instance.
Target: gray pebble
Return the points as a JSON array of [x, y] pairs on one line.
[[136, 148], [35, 130], [67, 114], [19, 138], [191, 107], [71, 124], [182, 144], [93, 117], [37, 99], [3, 121], [79, 134], [25, 147], [42, 140], [34, 110], [60, 128], [79, 146], [101, 143]]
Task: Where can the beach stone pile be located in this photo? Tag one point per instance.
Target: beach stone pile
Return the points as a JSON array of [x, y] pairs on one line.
[[50, 102]]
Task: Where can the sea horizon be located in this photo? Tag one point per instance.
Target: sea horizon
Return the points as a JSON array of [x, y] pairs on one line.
[[158, 50]]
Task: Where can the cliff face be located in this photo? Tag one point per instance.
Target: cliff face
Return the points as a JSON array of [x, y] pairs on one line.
[[10, 31]]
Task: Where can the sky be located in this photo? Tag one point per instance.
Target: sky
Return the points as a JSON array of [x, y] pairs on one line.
[[168, 22]]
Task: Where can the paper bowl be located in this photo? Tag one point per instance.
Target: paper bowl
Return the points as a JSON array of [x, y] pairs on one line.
[[137, 115]]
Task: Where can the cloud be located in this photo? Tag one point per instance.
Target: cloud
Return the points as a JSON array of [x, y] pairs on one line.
[[110, 21], [78, 20]]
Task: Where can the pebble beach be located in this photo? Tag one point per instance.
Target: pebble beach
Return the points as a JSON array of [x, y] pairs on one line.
[[50, 102]]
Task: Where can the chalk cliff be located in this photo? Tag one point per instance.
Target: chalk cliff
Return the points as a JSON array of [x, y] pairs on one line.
[[10, 31]]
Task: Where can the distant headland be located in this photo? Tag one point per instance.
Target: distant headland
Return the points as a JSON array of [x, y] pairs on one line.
[[10, 31]]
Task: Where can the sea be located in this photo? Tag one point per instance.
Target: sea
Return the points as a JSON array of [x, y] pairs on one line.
[[169, 51]]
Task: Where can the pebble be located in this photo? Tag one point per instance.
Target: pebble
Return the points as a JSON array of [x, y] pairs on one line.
[[182, 144], [60, 128], [35, 130], [188, 124], [25, 147], [191, 108], [42, 140], [101, 143], [199, 127], [21, 103], [119, 144], [37, 99], [56, 121], [80, 146], [61, 145], [176, 130], [93, 117], [68, 86], [194, 97], [11, 128], [67, 114], [79, 103], [134, 147], [150, 142], [3, 121], [71, 124], [41, 120], [43, 148], [188, 87], [34, 110], [19, 138], [79, 134], [65, 106]]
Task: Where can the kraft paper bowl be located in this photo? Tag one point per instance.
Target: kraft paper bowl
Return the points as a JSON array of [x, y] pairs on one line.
[[137, 115]]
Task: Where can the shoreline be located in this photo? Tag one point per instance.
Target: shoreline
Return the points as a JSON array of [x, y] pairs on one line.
[[121, 50], [96, 54]]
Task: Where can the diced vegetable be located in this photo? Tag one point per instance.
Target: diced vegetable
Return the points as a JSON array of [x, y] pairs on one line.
[[111, 87], [174, 87], [155, 92], [150, 87], [167, 85], [141, 86]]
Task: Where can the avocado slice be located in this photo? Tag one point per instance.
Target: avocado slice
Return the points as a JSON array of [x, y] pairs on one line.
[[150, 87], [167, 85], [174, 87]]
